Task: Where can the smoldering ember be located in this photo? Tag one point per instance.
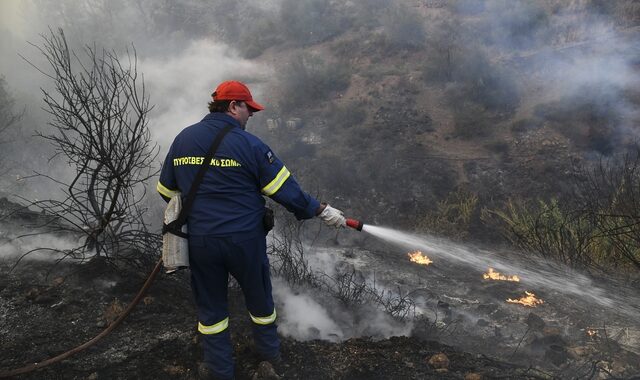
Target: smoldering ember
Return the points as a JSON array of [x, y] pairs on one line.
[[478, 164]]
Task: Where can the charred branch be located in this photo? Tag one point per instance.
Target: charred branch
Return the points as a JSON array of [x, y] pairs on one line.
[[99, 113]]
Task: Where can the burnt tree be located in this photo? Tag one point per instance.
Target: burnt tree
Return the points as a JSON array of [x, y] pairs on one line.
[[99, 113], [8, 118]]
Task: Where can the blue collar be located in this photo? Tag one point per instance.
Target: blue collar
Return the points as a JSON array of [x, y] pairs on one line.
[[220, 116]]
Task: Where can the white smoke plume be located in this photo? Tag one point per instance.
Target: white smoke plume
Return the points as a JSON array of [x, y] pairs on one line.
[[311, 313], [181, 84], [42, 247]]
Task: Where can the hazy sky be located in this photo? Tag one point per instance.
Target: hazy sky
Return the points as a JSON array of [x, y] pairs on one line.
[[10, 17]]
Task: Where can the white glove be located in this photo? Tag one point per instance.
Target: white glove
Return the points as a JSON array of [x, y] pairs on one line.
[[332, 217]]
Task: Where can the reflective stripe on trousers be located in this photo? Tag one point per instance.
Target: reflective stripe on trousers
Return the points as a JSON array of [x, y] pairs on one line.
[[264, 320], [214, 329]]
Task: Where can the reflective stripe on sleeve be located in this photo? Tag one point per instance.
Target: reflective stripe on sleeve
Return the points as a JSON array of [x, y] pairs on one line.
[[166, 191], [214, 329], [264, 320], [277, 182]]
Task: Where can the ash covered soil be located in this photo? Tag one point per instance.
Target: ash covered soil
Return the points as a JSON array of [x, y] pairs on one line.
[[46, 310]]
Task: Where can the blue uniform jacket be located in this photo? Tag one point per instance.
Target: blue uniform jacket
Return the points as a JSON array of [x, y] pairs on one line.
[[229, 200]]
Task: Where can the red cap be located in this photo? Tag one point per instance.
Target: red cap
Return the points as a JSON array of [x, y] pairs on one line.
[[234, 90]]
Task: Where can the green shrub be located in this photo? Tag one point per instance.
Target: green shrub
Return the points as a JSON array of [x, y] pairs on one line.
[[485, 83], [403, 27], [590, 119], [549, 229], [467, 7], [311, 21], [453, 215], [525, 125], [517, 24], [257, 37], [307, 79], [470, 121], [346, 115]]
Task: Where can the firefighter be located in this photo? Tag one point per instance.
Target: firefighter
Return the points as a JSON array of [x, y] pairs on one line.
[[225, 225]]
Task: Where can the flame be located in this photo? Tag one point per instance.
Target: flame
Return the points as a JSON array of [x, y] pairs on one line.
[[418, 257], [493, 275], [592, 332], [528, 300]]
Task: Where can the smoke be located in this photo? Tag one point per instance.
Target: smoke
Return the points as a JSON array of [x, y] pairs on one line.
[[313, 313], [181, 84], [302, 317], [180, 69], [572, 53], [41, 247], [307, 314]]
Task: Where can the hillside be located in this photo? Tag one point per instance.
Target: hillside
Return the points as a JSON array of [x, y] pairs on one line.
[[438, 96], [486, 134]]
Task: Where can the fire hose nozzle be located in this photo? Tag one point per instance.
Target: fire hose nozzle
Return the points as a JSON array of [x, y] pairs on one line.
[[355, 224]]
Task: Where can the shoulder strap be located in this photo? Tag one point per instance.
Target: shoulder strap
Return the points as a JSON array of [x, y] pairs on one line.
[[186, 206], [177, 224]]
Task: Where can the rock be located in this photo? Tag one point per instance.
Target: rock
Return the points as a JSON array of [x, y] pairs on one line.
[[113, 311], [314, 332], [551, 331], [556, 354], [44, 299], [32, 293], [540, 344], [534, 322], [148, 300], [579, 352], [487, 308], [482, 323], [265, 372], [604, 370], [57, 281], [439, 361], [610, 345], [174, 370], [294, 123], [472, 376]]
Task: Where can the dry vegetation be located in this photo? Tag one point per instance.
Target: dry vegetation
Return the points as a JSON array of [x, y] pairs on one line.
[[425, 115]]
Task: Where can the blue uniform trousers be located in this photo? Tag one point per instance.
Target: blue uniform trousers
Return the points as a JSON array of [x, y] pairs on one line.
[[244, 257]]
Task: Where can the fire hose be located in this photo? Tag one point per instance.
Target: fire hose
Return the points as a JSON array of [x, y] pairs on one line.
[[355, 224]]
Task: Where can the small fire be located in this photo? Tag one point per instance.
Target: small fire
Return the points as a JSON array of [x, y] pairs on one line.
[[418, 257], [528, 300], [592, 332], [493, 275]]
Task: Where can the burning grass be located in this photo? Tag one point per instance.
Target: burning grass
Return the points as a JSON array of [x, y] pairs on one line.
[[529, 299], [419, 258], [493, 275]]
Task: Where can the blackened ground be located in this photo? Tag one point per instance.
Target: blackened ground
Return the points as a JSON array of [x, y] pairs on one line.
[[46, 310]]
